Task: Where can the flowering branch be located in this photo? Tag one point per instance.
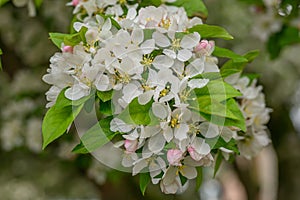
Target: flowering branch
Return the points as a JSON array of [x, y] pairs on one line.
[[163, 99]]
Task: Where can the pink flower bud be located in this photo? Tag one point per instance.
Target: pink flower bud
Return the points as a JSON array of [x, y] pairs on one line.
[[174, 157], [131, 145], [68, 49], [205, 47], [75, 2]]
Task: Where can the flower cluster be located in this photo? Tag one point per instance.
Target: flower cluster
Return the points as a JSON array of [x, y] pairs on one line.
[[257, 116], [167, 98]]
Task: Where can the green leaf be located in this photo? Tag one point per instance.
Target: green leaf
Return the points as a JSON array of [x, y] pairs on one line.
[[144, 181], [212, 104], [146, 3], [218, 142], [218, 162], [76, 38], [105, 96], [2, 2], [62, 101], [211, 31], [288, 35], [226, 53], [225, 113], [57, 38], [192, 7], [218, 112], [113, 21], [56, 122], [217, 90], [68, 39], [199, 178], [183, 179], [231, 108], [80, 149], [252, 76], [106, 108], [232, 105], [95, 137], [251, 55], [138, 114], [231, 67], [209, 75], [60, 116]]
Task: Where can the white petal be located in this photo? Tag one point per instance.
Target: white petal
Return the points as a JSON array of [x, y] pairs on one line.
[[195, 67], [168, 134], [161, 40], [200, 146], [127, 65], [178, 66], [77, 26], [170, 175], [139, 166], [148, 46], [123, 37], [160, 110], [137, 36], [148, 131], [107, 25], [131, 14], [146, 153], [102, 83], [128, 159], [181, 132], [189, 41], [189, 172], [184, 55], [209, 130], [198, 83], [156, 143], [130, 91], [119, 125], [145, 97], [170, 53], [162, 61], [76, 92], [211, 67], [226, 134], [171, 188]]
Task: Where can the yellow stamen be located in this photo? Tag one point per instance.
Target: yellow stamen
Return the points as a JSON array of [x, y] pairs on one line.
[[165, 23], [176, 44], [147, 61], [175, 121]]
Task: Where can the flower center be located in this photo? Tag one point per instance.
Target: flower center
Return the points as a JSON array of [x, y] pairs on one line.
[[180, 168], [147, 61], [165, 23], [123, 78], [176, 44], [175, 121]]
